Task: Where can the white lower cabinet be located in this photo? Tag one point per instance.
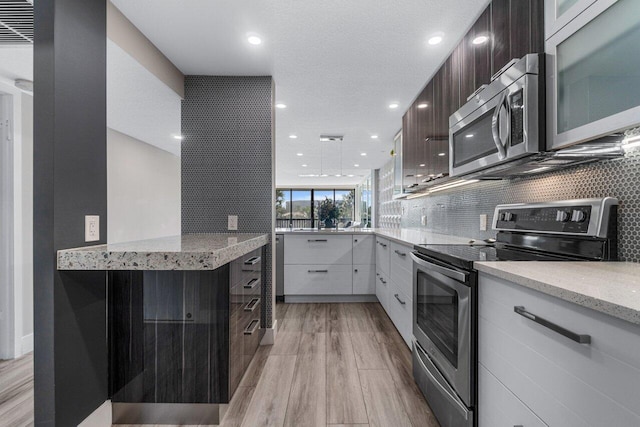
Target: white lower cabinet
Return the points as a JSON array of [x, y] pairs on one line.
[[382, 289], [565, 383], [499, 407], [317, 279], [364, 279], [400, 311]]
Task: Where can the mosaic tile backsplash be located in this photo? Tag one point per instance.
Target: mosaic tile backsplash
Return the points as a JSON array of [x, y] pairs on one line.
[[227, 159], [457, 212]]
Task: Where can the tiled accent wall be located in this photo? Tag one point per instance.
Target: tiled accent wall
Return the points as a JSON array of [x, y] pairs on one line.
[[227, 159], [457, 211]]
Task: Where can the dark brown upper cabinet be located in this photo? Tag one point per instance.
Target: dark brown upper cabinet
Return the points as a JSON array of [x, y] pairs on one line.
[[517, 29], [513, 28]]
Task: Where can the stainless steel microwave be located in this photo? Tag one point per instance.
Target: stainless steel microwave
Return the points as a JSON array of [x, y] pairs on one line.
[[502, 121]]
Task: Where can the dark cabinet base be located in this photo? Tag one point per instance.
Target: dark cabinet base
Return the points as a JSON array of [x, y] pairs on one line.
[[169, 336], [168, 413]]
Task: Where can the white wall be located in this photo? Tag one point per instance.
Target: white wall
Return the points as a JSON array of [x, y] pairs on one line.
[[143, 190], [22, 218]]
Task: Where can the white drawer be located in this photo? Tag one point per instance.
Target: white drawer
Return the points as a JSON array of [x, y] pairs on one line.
[[382, 289], [498, 407], [364, 249], [563, 382], [314, 279], [317, 249], [382, 255], [400, 311], [401, 267], [364, 279]]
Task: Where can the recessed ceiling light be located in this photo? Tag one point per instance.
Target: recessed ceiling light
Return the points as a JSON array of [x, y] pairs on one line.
[[338, 175], [423, 105], [435, 40], [350, 176], [304, 166], [363, 154], [180, 137], [469, 135], [356, 165], [293, 136], [419, 175], [394, 105], [324, 175], [422, 165], [374, 136], [442, 154], [299, 154], [281, 106], [254, 40], [480, 40]]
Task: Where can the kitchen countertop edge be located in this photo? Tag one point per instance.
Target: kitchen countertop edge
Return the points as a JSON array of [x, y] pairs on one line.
[[209, 257]]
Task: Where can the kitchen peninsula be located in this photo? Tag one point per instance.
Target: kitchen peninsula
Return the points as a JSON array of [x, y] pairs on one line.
[[184, 319]]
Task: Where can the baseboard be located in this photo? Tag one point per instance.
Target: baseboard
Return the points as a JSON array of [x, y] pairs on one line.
[[27, 344], [269, 337], [101, 417], [330, 298]]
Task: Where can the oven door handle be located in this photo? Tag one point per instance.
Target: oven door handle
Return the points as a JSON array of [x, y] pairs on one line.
[[452, 274], [442, 384], [495, 127]]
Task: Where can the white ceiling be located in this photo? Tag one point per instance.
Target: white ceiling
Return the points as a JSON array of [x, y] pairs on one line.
[[139, 104], [337, 65]]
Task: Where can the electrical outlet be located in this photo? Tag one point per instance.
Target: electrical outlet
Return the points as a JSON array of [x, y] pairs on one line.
[[232, 223], [91, 228], [483, 222], [423, 220]]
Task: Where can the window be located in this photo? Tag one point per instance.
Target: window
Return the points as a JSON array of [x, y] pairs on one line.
[[297, 208]]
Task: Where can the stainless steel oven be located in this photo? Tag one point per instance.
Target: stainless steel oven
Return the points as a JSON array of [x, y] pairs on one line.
[[444, 347], [502, 121]]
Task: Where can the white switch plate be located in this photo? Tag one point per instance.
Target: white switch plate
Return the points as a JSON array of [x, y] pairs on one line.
[[483, 222], [91, 228], [232, 223], [424, 220]]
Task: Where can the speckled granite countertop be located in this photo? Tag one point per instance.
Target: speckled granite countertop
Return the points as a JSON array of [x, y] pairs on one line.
[[405, 236], [187, 252], [612, 288]]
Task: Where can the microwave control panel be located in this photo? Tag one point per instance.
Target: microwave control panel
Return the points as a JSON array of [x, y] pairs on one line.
[[516, 106]]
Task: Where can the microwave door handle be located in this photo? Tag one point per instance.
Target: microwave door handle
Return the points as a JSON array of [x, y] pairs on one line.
[[495, 127]]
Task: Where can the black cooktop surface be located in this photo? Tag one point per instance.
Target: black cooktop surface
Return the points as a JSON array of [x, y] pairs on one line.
[[464, 256]]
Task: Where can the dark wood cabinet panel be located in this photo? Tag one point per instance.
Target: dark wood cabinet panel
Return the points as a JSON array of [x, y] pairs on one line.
[[518, 28], [482, 52]]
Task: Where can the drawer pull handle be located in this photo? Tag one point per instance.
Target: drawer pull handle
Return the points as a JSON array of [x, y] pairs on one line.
[[252, 284], [252, 304], [581, 339], [316, 240], [318, 271], [253, 261], [252, 327], [399, 300], [400, 253]]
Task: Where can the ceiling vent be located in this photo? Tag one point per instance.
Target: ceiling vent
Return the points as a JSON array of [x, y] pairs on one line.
[[16, 22], [331, 138]]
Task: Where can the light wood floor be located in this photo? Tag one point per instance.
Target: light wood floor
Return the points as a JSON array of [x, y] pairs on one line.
[[331, 365], [16, 392]]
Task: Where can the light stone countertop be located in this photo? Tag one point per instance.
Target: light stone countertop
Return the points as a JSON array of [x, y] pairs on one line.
[[612, 288], [187, 252], [404, 236]]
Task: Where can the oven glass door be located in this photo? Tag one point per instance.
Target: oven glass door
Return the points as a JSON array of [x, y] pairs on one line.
[[437, 314]]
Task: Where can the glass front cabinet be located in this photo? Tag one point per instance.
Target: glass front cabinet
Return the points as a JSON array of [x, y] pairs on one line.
[[593, 71]]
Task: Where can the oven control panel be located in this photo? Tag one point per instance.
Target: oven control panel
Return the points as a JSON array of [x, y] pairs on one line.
[[564, 220], [588, 217]]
